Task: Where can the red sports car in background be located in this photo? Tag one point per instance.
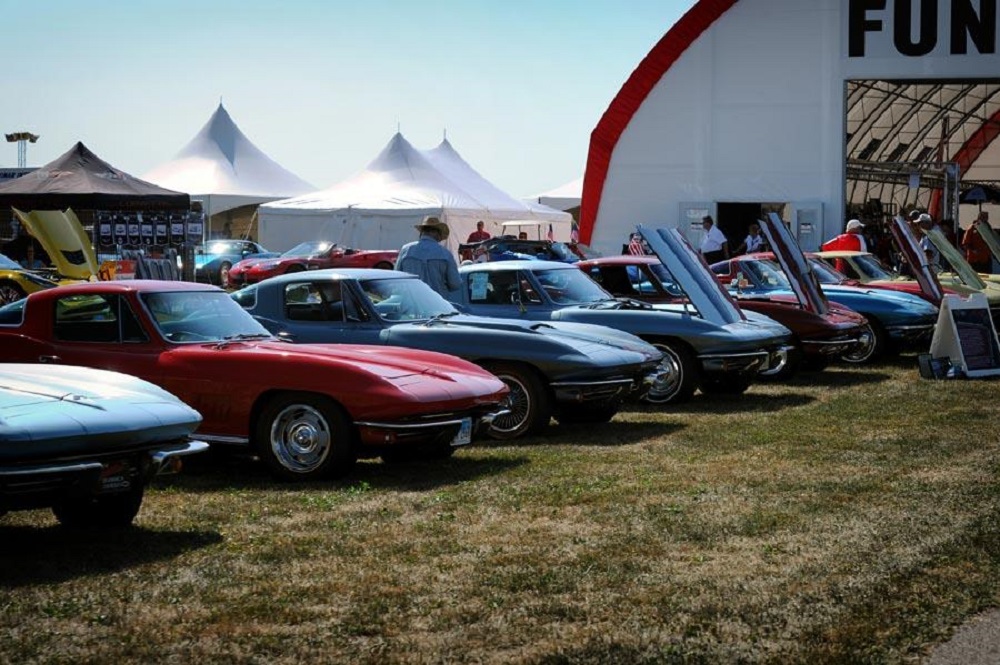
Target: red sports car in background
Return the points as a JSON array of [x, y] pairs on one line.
[[308, 410], [312, 255]]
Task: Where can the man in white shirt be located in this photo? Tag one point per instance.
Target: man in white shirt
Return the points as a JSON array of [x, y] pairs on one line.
[[714, 246]]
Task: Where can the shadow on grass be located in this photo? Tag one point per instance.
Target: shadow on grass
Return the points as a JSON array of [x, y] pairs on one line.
[[224, 472], [725, 404], [842, 377], [31, 555], [618, 432]]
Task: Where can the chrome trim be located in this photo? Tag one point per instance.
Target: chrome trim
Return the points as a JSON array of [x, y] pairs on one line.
[[17, 472], [592, 383], [219, 438], [440, 423], [726, 356], [161, 457]]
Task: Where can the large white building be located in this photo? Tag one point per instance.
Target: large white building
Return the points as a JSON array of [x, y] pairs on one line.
[[818, 109]]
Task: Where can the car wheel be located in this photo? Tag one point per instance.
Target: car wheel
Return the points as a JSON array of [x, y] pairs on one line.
[[110, 511], [528, 402], [874, 346], [305, 437], [726, 385], [10, 291], [384, 265], [582, 414], [224, 274], [682, 379]]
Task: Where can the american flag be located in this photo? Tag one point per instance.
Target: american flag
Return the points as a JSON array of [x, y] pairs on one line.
[[635, 246]]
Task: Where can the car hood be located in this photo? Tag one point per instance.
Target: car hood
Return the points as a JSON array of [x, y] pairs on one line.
[[512, 337], [63, 404], [930, 286], [965, 272], [803, 280], [991, 238], [64, 240], [693, 276], [393, 363]]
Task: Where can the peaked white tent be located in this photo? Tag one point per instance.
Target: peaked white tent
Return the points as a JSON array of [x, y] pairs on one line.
[[378, 207], [224, 169], [564, 197]]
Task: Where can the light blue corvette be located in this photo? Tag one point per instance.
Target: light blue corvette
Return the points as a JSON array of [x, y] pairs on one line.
[[213, 261]]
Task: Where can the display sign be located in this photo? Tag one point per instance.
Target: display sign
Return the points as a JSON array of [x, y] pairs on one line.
[[966, 336]]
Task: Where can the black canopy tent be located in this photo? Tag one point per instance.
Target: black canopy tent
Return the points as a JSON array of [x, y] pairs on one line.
[[80, 180]]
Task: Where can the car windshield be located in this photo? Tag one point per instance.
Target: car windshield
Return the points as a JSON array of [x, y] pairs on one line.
[[870, 267], [309, 249], [825, 273], [219, 248], [8, 263], [570, 286], [201, 316], [667, 281], [765, 274], [562, 252], [405, 299], [12, 314]]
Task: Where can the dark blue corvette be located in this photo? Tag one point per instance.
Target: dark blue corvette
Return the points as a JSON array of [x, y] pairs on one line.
[[575, 372]]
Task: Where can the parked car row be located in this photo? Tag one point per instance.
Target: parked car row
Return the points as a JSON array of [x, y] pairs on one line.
[[311, 368]]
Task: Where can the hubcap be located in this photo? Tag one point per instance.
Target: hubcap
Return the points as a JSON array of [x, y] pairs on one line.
[[518, 402], [669, 380], [300, 438], [864, 352], [9, 294]]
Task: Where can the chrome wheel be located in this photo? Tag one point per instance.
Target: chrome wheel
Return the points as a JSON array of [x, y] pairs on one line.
[[679, 381], [528, 402], [872, 345], [300, 438], [9, 292]]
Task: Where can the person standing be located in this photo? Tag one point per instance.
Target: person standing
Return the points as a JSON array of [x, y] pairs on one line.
[[428, 259], [851, 240], [714, 246], [480, 234], [754, 242], [977, 252]]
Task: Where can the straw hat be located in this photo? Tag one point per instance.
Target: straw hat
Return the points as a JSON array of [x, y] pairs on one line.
[[433, 223]]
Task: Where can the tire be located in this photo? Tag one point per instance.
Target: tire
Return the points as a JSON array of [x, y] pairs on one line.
[[384, 265], [300, 436], [871, 352], [584, 414], [224, 274], [726, 385], [684, 379], [528, 401], [10, 291], [110, 511]]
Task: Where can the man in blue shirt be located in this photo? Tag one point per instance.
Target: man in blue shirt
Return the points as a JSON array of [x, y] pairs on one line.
[[429, 260]]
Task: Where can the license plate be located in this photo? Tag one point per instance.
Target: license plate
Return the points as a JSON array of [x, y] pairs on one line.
[[116, 477], [464, 435]]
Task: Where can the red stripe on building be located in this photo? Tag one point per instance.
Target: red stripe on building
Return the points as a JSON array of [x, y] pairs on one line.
[[626, 103]]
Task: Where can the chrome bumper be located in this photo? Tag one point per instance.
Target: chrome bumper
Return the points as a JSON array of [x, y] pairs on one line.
[[751, 361]]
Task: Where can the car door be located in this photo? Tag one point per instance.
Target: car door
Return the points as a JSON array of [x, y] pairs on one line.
[[103, 331], [327, 312]]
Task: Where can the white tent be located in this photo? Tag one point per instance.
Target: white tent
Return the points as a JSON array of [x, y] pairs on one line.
[[378, 207], [224, 169], [564, 197]]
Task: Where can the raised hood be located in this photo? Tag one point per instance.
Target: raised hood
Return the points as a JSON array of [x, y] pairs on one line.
[[992, 240], [930, 286], [800, 275], [965, 272], [64, 240], [691, 273]]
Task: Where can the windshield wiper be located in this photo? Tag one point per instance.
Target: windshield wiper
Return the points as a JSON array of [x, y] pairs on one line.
[[240, 336], [440, 317]]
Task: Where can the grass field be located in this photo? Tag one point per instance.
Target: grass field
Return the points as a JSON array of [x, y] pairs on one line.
[[849, 516]]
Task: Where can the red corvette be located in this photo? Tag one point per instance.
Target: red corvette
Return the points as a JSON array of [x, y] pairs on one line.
[[309, 411], [312, 255]]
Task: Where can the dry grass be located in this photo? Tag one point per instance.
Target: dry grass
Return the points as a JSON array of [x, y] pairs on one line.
[[850, 516]]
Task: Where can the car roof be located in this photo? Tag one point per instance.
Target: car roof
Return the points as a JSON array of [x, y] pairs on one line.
[[500, 266], [335, 274], [620, 259], [129, 285]]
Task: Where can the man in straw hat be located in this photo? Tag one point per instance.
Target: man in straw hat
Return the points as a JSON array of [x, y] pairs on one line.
[[428, 259]]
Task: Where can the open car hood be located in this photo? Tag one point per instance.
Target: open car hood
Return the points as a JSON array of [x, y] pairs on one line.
[[63, 239], [917, 259], [991, 238], [692, 274], [965, 272], [800, 274]]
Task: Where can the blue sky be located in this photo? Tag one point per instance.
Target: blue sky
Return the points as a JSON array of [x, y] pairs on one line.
[[321, 86]]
